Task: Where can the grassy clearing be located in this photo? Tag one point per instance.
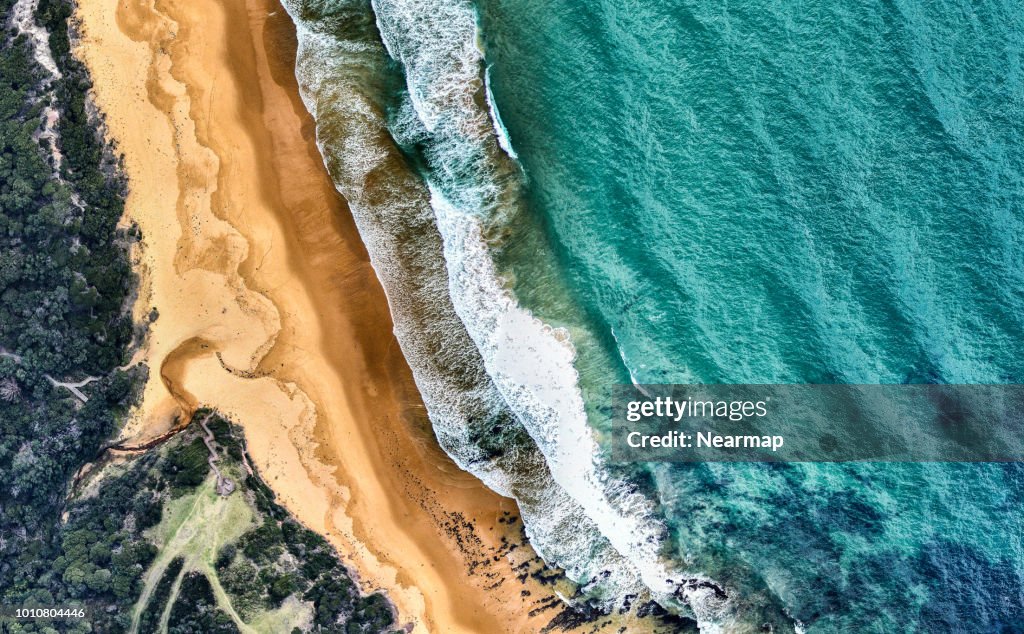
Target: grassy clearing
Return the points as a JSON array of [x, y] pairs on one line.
[[196, 526]]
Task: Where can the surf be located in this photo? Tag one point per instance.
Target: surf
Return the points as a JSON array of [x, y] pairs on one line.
[[442, 207]]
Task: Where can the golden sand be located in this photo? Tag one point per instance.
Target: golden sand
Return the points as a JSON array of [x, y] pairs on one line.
[[269, 310]]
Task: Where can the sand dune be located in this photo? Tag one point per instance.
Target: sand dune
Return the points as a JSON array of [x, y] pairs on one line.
[[269, 310]]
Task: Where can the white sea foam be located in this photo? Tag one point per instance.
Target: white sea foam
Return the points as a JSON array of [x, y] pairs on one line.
[[499, 126], [532, 366], [531, 363], [415, 281], [601, 531]]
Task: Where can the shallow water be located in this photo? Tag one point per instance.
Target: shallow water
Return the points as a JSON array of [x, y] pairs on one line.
[[792, 192], [563, 195]]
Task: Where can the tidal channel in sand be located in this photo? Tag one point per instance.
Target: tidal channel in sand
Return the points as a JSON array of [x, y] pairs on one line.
[[267, 309]]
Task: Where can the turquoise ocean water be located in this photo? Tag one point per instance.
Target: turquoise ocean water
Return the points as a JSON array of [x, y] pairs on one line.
[[563, 195]]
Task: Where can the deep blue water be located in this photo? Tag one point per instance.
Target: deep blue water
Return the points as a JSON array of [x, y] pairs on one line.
[[789, 192], [736, 192]]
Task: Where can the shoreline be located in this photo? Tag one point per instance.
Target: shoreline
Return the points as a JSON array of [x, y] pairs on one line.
[[269, 311]]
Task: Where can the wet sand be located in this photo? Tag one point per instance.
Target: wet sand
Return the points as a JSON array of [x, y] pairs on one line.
[[266, 308]]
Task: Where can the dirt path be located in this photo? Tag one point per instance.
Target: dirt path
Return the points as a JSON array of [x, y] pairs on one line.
[[74, 388], [271, 314]]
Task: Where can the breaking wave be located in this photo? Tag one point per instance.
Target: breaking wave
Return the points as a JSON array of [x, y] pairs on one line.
[[412, 139]]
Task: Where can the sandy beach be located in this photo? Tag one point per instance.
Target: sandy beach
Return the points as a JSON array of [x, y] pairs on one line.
[[263, 305]]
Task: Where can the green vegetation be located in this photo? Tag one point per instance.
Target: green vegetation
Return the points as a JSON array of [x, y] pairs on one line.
[[149, 542], [188, 467], [153, 612], [148, 554], [277, 574], [196, 609], [64, 280]]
